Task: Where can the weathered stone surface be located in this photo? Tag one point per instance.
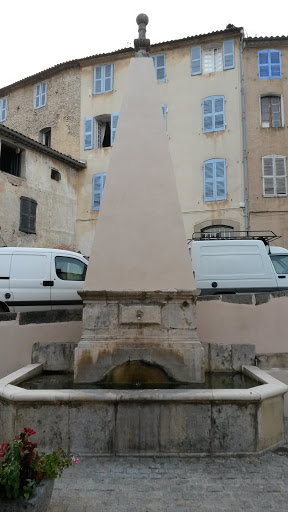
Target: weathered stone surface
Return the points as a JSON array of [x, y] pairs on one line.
[[54, 356], [242, 355], [270, 422], [7, 317], [139, 314], [91, 428], [234, 428], [237, 299], [220, 357], [179, 315], [48, 317], [100, 315], [269, 361]]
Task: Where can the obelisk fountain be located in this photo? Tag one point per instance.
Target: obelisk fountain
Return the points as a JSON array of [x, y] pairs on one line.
[[139, 293]]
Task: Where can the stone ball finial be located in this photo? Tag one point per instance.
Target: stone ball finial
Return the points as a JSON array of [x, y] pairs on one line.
[[142, 18]]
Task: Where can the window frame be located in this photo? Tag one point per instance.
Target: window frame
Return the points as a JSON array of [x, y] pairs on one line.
[[274, 175], [42, 95], [102, 175], [3, 101], [270, 75], [103, 79], [227, 47], [215, 197], [270, 111], [213, 114]]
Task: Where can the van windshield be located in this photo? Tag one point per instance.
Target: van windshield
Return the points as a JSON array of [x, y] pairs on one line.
[[280, 262]]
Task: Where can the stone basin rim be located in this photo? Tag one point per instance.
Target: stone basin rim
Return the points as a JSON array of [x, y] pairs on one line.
[[268, 388]]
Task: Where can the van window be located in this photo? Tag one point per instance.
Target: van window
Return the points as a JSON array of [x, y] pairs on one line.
[[70, 269], [280, 262]]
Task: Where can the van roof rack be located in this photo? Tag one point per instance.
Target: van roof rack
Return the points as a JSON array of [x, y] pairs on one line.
[[265, 236]]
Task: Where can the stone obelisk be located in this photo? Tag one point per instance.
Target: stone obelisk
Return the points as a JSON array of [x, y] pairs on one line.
[[139, 292]]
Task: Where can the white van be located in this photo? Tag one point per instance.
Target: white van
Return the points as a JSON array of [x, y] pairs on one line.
[[238, 265], [33, 279]]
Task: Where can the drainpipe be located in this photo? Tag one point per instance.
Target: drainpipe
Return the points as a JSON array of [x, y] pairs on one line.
[[246, 196]]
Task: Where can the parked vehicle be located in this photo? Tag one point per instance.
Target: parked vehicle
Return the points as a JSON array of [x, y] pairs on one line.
[[238, 263], [33, 279]]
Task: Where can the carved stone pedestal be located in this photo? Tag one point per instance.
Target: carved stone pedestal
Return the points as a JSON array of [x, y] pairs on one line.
[[154, 327]]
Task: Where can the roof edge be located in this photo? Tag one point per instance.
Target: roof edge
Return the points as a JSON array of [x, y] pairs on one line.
[[26, 141]]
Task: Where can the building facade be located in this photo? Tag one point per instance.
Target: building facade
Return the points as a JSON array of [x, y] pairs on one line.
[[266, 95], [74, 108]]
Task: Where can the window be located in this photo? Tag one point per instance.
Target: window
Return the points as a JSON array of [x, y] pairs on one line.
[[214, 180], [99, 132], [274, 176], [3, 109], [40, 95], [213, 114], [98, 188], [160, 66], [10, 159], [271, 112], [214, 231], [164, 111], [103, 79], [269, 64], [212, 58], [27, 215], [280, 262], [70, 269], [45, 137], [55, 174]]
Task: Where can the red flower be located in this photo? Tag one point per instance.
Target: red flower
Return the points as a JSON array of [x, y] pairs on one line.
[[29, 431]]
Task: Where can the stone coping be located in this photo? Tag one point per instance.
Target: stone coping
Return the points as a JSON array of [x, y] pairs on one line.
[[44, 317], [138, 295], [268, 388]]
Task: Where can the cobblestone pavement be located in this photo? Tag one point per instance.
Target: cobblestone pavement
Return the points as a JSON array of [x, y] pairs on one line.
[[126, 484]]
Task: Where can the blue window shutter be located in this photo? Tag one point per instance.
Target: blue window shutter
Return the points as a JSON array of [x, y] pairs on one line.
[[97, 82], [207, 110], [37, 96], [114, 121], [160, 66], [43, 93], [3, 108], [88, 133], [220, 179], [228, 54], [275, 63], [98, 187], [164, 111], [208, 180], [196, 67], [219, 115], [108, 77]]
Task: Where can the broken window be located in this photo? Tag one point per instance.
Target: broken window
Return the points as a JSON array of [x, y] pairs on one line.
[[271, 112], [27, 215], [10, 159]]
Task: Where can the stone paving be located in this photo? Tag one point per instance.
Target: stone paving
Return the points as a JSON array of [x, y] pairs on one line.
[[132, 484]]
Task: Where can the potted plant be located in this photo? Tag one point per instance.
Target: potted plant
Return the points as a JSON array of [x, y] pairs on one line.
[[27, 477]]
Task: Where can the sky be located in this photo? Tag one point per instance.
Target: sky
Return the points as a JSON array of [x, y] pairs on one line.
[[36, 35]]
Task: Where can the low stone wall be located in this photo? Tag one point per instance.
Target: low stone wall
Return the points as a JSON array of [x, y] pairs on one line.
[[259, 319], [19, 332]]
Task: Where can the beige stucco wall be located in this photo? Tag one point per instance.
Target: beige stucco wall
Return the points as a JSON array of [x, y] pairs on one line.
[[264, 325], [61, 112], [265, 212], [56, 201], [16, 341]]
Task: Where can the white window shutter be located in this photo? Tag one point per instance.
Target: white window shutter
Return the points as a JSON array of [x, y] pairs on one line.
[[208, 61], [114, 121], [228, 54], [280, 176], [268, 176], [88, 133], [196, 67], [98, 187]]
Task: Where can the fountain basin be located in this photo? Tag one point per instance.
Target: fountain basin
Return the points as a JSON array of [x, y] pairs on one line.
[[166, 422]]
